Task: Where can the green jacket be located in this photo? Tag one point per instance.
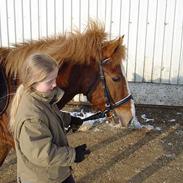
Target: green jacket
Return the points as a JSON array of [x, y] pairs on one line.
[[43, 153]]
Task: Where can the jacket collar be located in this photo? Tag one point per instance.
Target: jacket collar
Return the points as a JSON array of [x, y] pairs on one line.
[[51, 97]]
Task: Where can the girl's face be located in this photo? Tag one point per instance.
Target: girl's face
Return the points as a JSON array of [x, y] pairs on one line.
[[49, 83]]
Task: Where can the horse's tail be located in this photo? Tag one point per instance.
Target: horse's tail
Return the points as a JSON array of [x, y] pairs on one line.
[[3, 54]]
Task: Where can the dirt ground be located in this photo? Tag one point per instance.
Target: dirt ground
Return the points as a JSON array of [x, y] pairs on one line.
[[121, 155]]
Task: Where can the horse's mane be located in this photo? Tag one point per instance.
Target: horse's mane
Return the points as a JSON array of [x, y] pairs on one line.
[[76, 47]]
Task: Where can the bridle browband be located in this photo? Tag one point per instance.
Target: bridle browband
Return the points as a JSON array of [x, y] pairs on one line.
[[110, 105]]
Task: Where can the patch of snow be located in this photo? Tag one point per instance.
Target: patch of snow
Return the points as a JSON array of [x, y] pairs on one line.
[[135, 124], [87, 124], [83, 115], [178, 113], [170, 155], [172, 120], [143, 116], [158, 128], [149, 127]]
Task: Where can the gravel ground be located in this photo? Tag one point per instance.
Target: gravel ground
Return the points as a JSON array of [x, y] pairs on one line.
[[121, 155]]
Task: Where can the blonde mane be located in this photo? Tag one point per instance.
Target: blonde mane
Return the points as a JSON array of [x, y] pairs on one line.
[[75, 47]]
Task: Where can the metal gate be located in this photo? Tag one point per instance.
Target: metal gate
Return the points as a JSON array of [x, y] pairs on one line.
[[153, 32]]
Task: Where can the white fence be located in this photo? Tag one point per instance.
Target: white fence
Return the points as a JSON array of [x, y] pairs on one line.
[[153, 32]]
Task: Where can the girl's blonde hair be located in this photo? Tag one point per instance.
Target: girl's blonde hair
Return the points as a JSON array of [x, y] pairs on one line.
[[35, 69]]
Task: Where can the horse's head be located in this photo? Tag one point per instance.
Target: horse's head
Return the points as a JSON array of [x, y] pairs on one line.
[[94, 67], [108, 88]]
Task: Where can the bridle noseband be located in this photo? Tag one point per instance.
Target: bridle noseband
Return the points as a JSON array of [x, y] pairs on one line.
[[110, 105]]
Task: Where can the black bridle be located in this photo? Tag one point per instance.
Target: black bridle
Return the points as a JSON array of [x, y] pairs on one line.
[[110, 105]]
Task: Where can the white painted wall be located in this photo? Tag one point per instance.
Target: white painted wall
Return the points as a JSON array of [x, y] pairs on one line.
[[153, 30]]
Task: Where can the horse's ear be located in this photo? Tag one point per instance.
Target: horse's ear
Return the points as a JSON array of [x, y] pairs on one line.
[[122, 37], [110, 48]]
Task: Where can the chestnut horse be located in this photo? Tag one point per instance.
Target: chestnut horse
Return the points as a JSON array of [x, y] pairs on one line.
[[88, 64]]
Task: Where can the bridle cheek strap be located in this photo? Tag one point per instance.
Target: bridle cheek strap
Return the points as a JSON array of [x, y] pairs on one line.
[[110, 105]]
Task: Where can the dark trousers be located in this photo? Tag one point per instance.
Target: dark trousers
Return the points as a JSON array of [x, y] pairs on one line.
[[70, 179]]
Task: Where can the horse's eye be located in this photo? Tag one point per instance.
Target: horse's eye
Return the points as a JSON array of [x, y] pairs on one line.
[[116, 78]]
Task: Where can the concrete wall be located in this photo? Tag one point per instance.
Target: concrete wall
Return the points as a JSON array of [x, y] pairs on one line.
[[157, 94]]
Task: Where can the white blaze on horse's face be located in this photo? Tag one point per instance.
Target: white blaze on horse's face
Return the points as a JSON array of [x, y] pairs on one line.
[[126, 112]]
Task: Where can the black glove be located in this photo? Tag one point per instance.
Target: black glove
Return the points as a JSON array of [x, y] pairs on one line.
[[81, 151], [75, 123]]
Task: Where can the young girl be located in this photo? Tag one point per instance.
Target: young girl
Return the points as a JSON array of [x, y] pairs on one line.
[[38, 126]]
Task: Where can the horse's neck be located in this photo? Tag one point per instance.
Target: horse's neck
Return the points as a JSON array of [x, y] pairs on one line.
[[74, 80]]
